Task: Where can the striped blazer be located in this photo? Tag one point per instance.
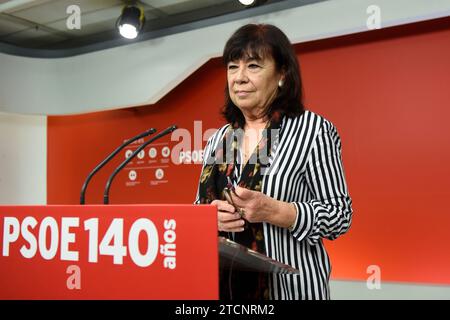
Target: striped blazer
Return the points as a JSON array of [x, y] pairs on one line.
[[306, 169]]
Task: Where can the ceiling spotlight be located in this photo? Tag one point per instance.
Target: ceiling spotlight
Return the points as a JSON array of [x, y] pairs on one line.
[[252, 3], [130, 21], [246, 2]]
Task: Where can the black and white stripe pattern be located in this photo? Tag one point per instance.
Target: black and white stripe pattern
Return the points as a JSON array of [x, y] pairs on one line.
[[305, 169]]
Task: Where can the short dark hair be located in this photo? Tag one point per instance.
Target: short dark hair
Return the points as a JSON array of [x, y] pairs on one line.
[[258, 41]]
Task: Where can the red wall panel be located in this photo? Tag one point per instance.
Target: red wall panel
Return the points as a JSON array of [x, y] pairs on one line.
[[387, 93], [77, 143]]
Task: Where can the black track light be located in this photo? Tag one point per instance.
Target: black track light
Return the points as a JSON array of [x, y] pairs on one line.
[[131, 21]]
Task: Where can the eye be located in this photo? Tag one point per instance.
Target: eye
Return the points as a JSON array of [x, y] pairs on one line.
[[232, 67], [253, 66]]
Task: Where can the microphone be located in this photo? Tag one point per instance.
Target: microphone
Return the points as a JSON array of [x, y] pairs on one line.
[[101, 164], [124, 163]]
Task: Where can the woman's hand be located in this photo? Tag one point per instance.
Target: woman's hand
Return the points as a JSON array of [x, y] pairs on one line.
[[228, 219], [255, 206]]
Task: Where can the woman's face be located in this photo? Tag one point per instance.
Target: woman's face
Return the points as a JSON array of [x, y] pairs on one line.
[[253, 84]]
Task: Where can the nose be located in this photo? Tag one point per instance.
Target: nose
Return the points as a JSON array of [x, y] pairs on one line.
[[241, 75]]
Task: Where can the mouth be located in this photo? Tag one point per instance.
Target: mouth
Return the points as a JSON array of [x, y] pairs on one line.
[[241, 93]]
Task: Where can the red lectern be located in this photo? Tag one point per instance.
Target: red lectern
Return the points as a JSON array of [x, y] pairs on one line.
[[109, 252]]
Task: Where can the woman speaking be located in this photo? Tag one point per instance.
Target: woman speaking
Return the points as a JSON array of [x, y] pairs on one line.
[[283, 166]]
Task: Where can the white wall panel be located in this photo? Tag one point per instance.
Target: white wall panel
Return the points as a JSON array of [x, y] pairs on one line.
[[23, 159]]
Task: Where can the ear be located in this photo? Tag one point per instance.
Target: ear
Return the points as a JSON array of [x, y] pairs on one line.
[[283, 73]]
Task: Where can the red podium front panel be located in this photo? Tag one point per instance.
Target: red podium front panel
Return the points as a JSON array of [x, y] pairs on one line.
[[109, 252]]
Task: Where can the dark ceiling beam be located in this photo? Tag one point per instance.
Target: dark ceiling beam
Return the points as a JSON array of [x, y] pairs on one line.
[[154, 11]]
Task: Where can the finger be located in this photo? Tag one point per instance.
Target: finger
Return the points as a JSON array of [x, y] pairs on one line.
[[227, 216], [223, 205], [215, 202], [243, 193], [241, 196], [238, 202], [232, 226], [234, 230]]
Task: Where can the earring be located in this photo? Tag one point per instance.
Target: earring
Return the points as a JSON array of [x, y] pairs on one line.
[[280, 83]]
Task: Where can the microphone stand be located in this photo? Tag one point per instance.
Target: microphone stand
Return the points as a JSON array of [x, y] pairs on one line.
[[101, 164], [127, 160]]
